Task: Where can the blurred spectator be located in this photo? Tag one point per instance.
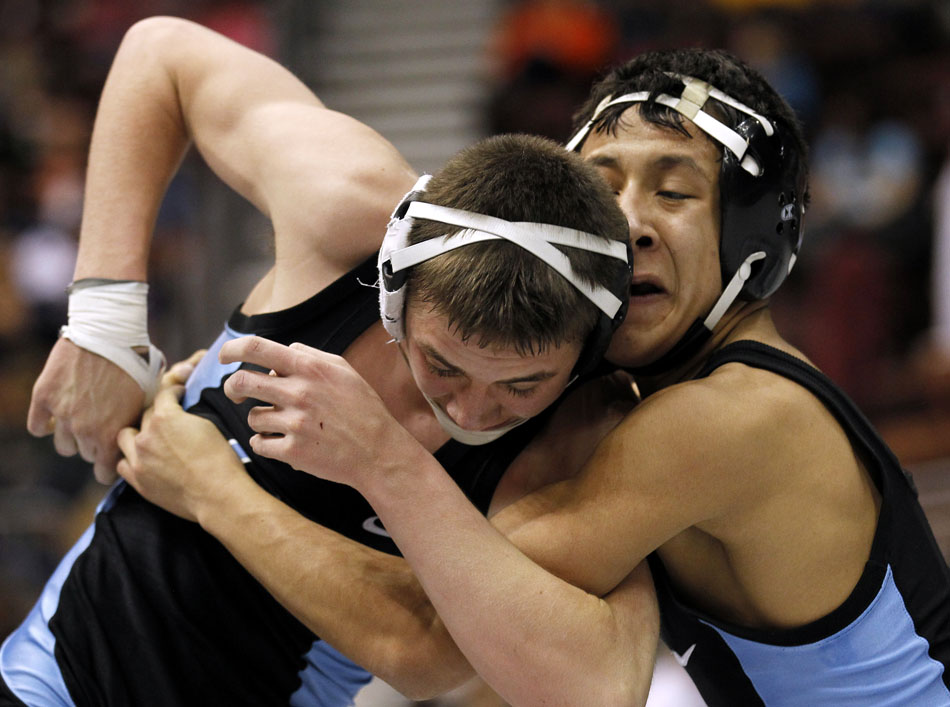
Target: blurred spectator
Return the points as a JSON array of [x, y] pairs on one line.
[[766, 42], [940, 279], [545, 53]]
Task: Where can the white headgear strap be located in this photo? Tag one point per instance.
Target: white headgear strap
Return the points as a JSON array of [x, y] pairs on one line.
[[691, 103], [111, 320], [536, 238], [732, 290]]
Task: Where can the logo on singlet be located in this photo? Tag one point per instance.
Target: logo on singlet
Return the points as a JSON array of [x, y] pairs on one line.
[[372, 525], [684, 658]]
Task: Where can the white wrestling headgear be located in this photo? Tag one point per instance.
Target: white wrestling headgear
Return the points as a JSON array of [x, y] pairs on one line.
[[396, 256]]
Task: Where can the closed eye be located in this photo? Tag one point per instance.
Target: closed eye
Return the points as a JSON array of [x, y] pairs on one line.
[[521, 392], [441, 372]]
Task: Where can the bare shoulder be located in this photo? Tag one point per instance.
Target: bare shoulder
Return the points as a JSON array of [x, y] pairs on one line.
[[335, 182], [723, 441]]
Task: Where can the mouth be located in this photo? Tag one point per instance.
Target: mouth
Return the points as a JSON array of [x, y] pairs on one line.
[[645, 288]]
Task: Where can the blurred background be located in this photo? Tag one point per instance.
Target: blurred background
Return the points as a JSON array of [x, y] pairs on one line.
[[869, 300]]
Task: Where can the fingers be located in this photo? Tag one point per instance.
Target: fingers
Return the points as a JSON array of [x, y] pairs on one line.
[[104, 465], [126, 463], [259, 351], [179, 373], [88, 449], [39, 420], [63, 440], [126, 442], [270, 421], [278, 448], [167, 399], [105, 473], [245, 384], [196, 357]]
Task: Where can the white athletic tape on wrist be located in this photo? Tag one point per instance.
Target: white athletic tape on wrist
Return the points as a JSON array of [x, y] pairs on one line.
[[111, 320]]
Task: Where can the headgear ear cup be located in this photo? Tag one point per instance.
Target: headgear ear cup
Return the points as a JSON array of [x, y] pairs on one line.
[[762, 184], [761, 213], [599, 339], [392, 291]]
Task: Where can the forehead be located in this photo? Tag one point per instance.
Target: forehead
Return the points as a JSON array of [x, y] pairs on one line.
[[431, 332], [633, 138]]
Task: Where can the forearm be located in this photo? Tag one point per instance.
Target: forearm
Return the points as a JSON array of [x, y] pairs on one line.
[[365, 603], [535, 638], [137, 143]]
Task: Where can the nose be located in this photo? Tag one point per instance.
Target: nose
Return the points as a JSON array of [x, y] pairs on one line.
[[473, 408], [642, 235]]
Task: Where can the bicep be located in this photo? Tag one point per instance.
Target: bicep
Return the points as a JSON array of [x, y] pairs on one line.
[[268, 136], [659, 472]]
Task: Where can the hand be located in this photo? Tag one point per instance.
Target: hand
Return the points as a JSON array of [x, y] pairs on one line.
[[179, 373], [322, 417], [178, 460], [84, 400]]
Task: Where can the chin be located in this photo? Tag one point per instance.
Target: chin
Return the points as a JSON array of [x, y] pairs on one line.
[[631, 349]]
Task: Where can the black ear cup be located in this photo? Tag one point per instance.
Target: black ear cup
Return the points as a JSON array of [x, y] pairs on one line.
[[761, 213]]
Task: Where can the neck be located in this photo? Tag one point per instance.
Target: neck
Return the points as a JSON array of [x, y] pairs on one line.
[[743, 320]]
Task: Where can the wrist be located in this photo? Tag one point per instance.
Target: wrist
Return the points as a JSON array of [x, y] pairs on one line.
[[219, 505], [402, 475], [110, 319]]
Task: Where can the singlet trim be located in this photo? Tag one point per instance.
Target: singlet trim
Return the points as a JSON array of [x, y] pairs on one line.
[[864, 592], [765, 357]]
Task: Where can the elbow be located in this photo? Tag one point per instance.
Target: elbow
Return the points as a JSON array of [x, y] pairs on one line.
[[628, 692], [422, 669], [154, 30]]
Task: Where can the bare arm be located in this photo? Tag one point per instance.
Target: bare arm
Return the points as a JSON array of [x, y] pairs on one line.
[[534, 637], [267, 136], [365, 603], [604, 649], [566, 571]]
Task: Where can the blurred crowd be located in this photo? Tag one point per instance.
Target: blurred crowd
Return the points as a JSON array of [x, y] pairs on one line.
[[869, 300]]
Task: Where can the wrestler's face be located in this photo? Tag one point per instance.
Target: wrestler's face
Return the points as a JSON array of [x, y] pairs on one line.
[[481, 388], [668, 187]]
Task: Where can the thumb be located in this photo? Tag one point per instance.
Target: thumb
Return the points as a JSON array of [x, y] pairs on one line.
[[168, 398]]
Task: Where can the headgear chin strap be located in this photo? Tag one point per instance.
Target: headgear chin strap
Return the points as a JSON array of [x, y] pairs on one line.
[[473, 438], [700, 330], [396, 256]]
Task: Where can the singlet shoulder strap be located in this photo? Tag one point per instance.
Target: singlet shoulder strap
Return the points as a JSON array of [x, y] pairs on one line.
[[759, 355]]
